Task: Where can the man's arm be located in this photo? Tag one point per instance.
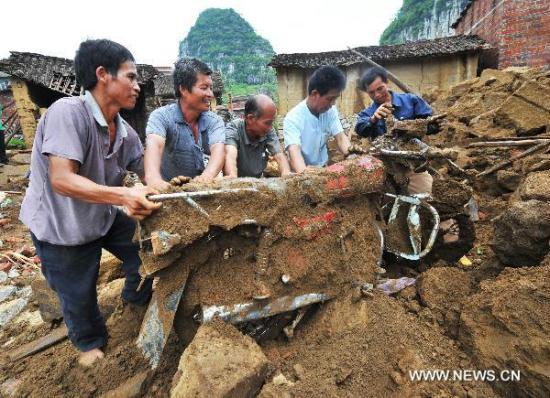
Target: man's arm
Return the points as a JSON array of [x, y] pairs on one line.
[[215, 164], [154, 149], [230, 168], [66, 181], [216, 138], [292, 137], [274, 149], [282, 161], [297, 161], [343, 143]]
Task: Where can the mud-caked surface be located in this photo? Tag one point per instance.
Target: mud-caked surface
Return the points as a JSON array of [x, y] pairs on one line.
[[368, 349], [444, 290], [309, 250], [220, 362], [56, 372], [506, 327], [522, 233]]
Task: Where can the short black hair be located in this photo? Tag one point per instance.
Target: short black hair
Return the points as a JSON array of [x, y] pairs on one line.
[[186, 71], [92, 54], [371, 75], [326, 78]]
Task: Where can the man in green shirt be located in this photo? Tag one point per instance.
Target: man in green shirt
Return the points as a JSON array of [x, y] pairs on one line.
[[248, 140]]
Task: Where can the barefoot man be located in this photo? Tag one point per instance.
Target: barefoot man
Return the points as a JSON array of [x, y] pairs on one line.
[[80, 155]]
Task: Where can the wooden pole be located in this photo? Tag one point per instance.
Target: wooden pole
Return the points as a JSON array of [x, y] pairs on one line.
[[507, 143], [40, 344], [391, 76], [514, 158]]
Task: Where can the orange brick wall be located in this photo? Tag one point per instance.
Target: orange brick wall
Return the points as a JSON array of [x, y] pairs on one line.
[[519, 29]]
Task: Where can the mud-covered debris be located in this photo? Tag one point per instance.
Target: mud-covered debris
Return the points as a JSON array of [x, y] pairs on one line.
[[506, 327], [220, 362], [536, 186], [110, 268], [508, 179], [522, 233], [131, 388]]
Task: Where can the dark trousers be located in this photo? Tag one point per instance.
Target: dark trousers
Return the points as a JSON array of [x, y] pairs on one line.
[[3, 156], [72, 272]]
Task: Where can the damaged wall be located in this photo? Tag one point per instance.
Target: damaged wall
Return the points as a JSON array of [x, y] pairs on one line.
[[27, 111]]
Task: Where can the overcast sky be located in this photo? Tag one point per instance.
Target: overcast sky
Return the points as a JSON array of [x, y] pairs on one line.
[[152, 29]]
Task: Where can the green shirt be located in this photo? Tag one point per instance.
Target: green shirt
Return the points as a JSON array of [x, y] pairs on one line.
[[251, 155]]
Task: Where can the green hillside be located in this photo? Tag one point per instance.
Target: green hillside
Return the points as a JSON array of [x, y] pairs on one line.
[[227, 42]]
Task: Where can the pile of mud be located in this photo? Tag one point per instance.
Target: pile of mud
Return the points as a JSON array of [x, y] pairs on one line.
[[498, 104], [499, 123]]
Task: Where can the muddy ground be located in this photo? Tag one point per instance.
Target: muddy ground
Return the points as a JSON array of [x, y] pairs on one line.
[[484, 312]]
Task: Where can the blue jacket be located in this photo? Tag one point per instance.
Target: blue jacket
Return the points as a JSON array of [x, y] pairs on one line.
[[406, 107]]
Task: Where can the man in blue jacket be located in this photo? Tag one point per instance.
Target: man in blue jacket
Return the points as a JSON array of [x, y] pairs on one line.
[[371, 122]]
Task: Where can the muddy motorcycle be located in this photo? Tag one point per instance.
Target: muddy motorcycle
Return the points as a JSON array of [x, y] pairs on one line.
[[259, 252], [403, 152]]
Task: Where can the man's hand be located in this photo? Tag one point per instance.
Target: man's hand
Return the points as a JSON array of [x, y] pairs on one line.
[[282, 162], [383, 111], [180, 180], [435, 124], [159, 184], [356, 149], [136, 204], [203, 178]]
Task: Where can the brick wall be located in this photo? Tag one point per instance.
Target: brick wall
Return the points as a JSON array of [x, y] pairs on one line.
[[519, 29]]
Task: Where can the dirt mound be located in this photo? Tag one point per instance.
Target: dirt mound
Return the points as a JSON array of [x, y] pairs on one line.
[[506, 327], [536, 186], [56, 373], [499, 103], [367, 349], [444, 290], [522, 233]]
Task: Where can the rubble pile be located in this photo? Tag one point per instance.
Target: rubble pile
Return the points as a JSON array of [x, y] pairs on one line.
[[500, 125], [498, 104], [487, 311]]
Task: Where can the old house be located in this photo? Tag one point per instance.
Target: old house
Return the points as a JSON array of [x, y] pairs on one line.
[[422, 65], [519, 29], [39, 80]]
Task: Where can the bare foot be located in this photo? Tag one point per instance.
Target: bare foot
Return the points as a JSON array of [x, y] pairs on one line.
[[88, 358]]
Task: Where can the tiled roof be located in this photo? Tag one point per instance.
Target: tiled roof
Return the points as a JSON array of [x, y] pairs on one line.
[[419, 49], [55, 73]]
